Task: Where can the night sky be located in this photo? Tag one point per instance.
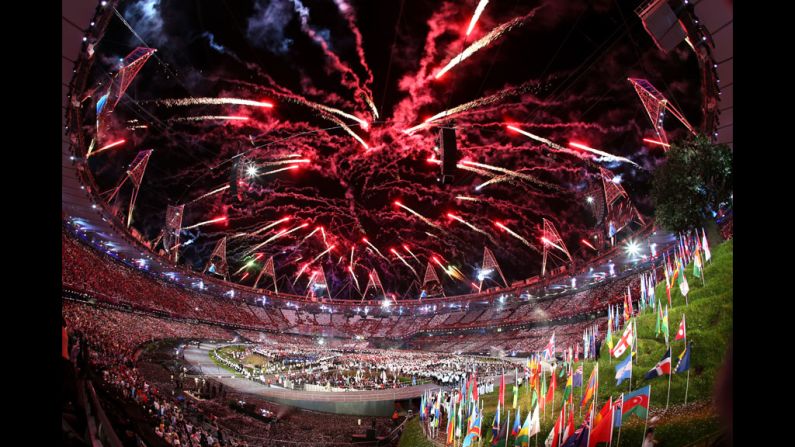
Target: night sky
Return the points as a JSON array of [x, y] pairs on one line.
[[560, 71]]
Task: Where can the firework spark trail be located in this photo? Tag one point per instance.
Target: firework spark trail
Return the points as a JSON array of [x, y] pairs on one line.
[[349, 78], [474, 228], [484, 41], [215, 191], [432, 235], [588, 244], [463, 167], [300, 272], [349, 14], [209, 118], [544, 140], [288, 168], [478, 11], [270, 225], [374, 248], [323, 253], [493, 180], [212, 101], [487, 100], [283, 162], [609, 157], [310, 234], [206, 222], [515, 174], [469, 199], [514, 234], [276, 236], [548, 242], [106, 147], [403, 260], [323, 232], [423, 218], [353, 275], [406, 247]]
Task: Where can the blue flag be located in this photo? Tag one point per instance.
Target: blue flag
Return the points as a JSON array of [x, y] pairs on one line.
[[624, 369], [576, 380], [684, 360]]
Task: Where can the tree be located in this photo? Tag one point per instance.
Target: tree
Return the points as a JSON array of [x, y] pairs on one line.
[[696, 177]]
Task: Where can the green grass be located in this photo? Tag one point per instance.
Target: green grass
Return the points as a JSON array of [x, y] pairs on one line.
[[413, 436], [709, 328]]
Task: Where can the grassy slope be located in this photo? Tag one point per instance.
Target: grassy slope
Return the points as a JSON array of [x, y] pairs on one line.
[[709, 327]]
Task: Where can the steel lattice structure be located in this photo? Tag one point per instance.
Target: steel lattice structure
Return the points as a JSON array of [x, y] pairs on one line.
[[432, 278], [222, 268], [132, 64], [269, 270], [551, 238], [656, 105], [375, 282], [489, 262], [172, 230], [135, 174]]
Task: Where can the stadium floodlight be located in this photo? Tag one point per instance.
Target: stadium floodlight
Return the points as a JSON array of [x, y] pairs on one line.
[[653, 250], [589, 199], [484, 273], [386, 303], [632, 248], [251, 171]]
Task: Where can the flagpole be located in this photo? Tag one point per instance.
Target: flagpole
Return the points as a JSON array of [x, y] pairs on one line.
[[506, 428], [670, 373], [618, 441], [645, 423]]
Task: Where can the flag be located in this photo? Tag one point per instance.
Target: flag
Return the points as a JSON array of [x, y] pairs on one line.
[[591, 387], [578, 439], [551, 392], [475, 386], [707, 254], [515, 394], [549, 350], [609, 337], [517, 422], [683, 287], [535, 425], [697, 266], [474, 432], [577, 379], [658, 324], [422, 407], [665, 329], [624, 369], [682, 332], [602, 414], [523, 437], [602, 429], [495, 426], [623, 343], [617, 406], [636, 402], [662, 367], [567, 390], [568, 430], [501, 398], [552, 439], [534, 399], [684, 361], [451, 423]]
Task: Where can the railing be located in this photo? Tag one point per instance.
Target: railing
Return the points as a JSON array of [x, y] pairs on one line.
[[100, 428]]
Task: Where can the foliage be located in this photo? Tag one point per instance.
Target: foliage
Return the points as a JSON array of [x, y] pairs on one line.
[[695, 177]]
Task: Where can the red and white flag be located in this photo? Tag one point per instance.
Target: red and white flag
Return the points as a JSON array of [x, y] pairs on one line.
[[682, 332], [624, 343]]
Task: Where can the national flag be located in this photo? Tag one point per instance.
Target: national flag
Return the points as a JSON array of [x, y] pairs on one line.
[[495, 426], [636, 402], [658, 323], [602, 429], [542, 395], [591, 387], [635, 339], [662, 367], [697, 265], [684, 360], [668, 282], [683, 287], [617, 406], [501, 397], [624, 343], [517, 422], [568, 429], [551, 392], [624, 369], [682, 332], [609, 337], [451, 423], [552, 439], [549, 350], [705, 244], [459, 429], [535, 425], [579, 437], [515, 394], [475, 386], [422, 407], [602, 414], [523, 437], [577, 379], [474, 432], [665, 329], [567, 391]]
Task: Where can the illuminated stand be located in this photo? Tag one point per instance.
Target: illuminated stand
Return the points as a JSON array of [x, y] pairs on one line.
[[268, 269], [135, 174], [488, 265], [656, 105], [433, 279], [619, 212], [221, 268], [551, 238]]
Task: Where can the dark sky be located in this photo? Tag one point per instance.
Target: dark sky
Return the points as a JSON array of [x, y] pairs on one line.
[[559, 72]]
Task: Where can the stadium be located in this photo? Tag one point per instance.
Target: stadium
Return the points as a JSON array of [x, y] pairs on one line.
[[398, 223]]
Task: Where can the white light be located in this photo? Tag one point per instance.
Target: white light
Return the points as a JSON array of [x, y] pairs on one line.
[[251, 171], [386, 303], [92, 23], [85, 38], [573, 283], [589, 199], [94, 205], [104, 3], [632, 248]]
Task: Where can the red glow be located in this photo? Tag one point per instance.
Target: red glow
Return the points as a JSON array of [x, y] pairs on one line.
[[398, 203], [580, 146], [405, 247], [656, 142], [587, 244], [267, 104], [108, 146], [393, 250], [364, 239]]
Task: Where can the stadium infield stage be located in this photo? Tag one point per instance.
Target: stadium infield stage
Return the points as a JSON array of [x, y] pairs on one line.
[[357, 403]]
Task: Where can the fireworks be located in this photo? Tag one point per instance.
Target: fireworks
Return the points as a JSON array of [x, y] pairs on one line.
[[213, 101], [586, 243], [406, 247], [483, 41], [270, 225], [469, 199], [474, 228], [322, 253], [215, 191], [374, 248], [604, 154], [515, 174], [548, 242], [353, 275], [107, 146], [288, 168], [206, 222], [656, 142], [420, 216], [512, 233], [210, 118], [276, 236], [395, 252], [284, 162], [493, 180], [478, 11]]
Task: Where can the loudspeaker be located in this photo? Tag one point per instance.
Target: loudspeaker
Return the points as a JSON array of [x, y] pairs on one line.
[[448, 153], [662, 25]]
